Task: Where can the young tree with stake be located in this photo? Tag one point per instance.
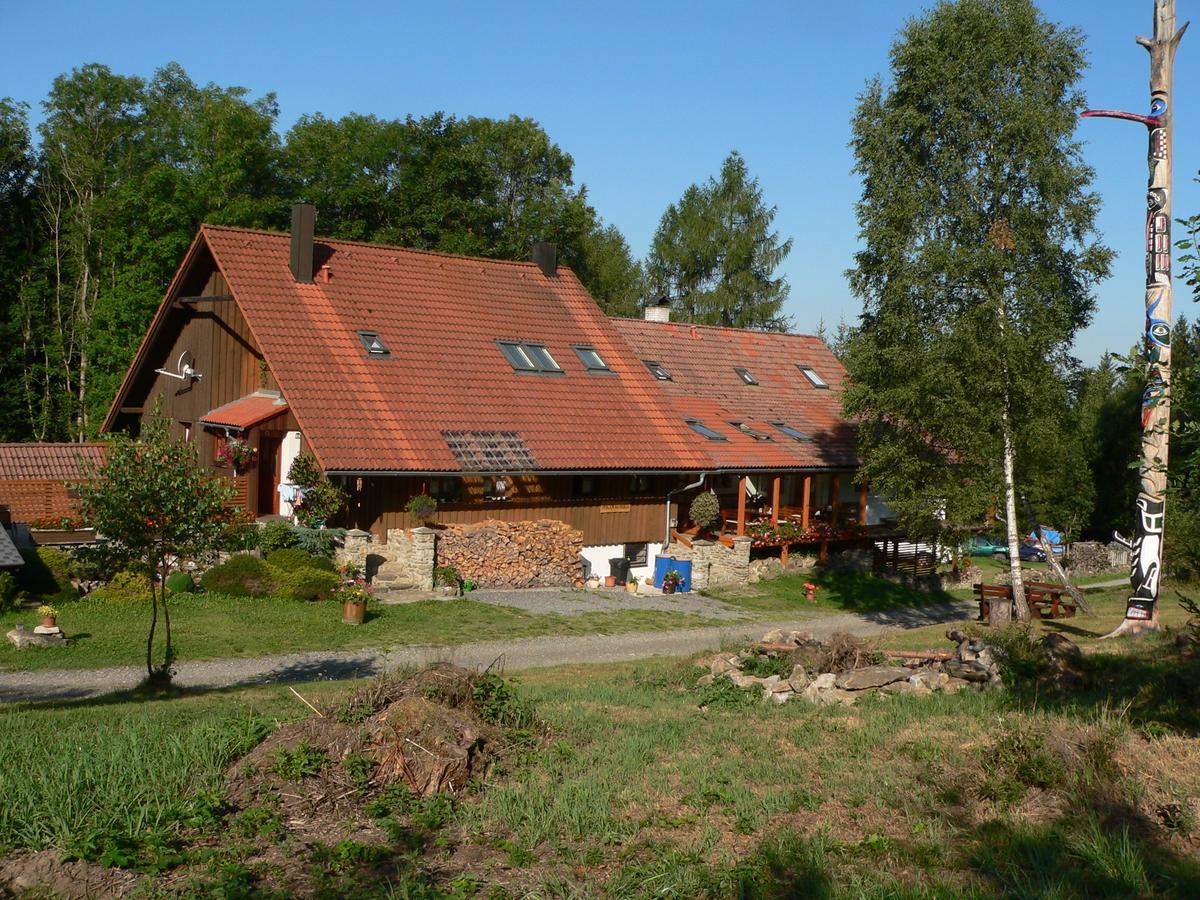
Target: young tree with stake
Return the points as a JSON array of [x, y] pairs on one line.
[[156, 506]]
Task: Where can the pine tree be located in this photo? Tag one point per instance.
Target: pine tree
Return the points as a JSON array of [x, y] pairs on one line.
[[979, 260], [714, 254]]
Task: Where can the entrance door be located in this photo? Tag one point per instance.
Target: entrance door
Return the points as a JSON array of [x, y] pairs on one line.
[[268, 473]]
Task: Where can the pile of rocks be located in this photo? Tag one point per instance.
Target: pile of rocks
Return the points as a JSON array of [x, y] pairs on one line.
[[852, 669]]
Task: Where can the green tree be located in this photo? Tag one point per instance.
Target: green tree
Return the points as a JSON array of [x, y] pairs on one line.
[[714, 254], [979, 260], [18, 240], [157, 506]]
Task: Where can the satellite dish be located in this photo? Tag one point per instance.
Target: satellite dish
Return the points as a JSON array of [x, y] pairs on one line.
[[184, 368]]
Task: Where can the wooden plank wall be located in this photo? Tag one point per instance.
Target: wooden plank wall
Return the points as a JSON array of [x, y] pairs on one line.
[[609, 517]]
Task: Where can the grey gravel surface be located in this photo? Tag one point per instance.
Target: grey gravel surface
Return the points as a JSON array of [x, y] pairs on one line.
[[515, 654]]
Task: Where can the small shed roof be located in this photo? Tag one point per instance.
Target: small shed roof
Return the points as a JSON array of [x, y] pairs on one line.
[[47, 462], [9, 557]]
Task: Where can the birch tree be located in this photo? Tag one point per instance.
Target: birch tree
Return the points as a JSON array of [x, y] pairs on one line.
[[978, 263]]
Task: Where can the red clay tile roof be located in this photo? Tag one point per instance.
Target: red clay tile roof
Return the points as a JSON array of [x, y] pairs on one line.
[[246, 411], [704, 385], [440, 317], [46, 462]]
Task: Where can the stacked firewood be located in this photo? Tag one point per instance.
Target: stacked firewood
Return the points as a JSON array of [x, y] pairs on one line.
[[541, 553]]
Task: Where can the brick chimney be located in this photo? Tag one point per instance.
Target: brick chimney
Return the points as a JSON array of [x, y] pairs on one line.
[[304, 218], [659, 310]]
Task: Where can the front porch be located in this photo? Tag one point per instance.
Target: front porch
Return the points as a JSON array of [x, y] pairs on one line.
[[785, 510]]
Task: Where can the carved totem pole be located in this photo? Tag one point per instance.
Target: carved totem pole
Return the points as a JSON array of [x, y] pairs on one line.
[[1141, 612]]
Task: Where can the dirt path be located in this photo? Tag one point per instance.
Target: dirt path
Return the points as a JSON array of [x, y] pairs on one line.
[[522, 653]]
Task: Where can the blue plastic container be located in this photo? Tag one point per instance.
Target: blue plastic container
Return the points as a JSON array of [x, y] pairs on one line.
[[664, 564]]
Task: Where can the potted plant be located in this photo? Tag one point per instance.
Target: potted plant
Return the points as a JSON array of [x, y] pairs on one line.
[[705, 511], [61, 530], [49, 616], [354, 597], [631, 585], [449, 578], [671, 580], [239, 454], [610, 581], [421, 507]]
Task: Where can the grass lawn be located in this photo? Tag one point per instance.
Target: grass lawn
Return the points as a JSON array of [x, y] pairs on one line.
[[1108, 609], [786, 596], [638, 791], [213, 626]]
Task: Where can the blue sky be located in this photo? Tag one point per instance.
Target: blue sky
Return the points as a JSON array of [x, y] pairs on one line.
[[647, 97]]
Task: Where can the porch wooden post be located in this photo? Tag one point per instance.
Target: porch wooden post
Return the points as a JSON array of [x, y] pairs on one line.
[[835, 491], [741, 526], [807, 501], [775, 500], [862, 505]]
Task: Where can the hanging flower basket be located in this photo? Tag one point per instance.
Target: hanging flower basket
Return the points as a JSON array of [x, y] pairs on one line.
[[239, 454]]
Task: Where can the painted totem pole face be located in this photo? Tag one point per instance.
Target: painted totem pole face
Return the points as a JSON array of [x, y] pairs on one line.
[[1158, 333], [1144, 557]]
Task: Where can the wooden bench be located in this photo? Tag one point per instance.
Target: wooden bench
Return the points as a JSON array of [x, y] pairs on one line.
[[1049, 601]]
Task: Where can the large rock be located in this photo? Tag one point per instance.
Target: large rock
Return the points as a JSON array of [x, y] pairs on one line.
[[21, 638], [930, 679], [799, 679], [871, 677], [722, 663], [742, 680], [828, 696], [915, 688]]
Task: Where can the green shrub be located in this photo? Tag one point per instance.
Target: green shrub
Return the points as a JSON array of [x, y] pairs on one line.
[[306, 584], [181, 583], [241, 576], [9, 592], [294, 558], [242, 537], [277, 535], [319, 541], [127, 586]]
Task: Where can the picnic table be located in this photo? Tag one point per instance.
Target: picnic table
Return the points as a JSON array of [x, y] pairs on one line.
[[1049, 601]]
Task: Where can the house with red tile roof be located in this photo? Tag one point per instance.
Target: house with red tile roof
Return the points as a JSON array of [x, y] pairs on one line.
[[500, 388]]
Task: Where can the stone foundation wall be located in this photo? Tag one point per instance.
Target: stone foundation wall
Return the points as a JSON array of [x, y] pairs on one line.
[[541, 553], [714, 564]]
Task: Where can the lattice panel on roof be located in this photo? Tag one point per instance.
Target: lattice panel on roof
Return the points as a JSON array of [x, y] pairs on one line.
[[490, 451]]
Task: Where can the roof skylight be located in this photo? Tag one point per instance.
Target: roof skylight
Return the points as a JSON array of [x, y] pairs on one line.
[[753, 432], [701, 428], [592, 361], [745, 375], [814, 379], [791, 432], [533, 358], [658, 371], [375, 347]]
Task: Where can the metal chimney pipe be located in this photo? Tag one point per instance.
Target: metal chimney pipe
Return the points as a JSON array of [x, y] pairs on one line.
[[545, 254], [304, 218]]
